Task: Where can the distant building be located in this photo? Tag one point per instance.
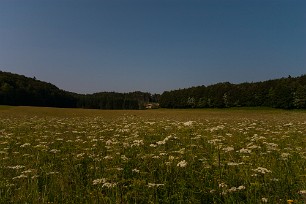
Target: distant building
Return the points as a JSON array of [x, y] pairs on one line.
[[152, 106]]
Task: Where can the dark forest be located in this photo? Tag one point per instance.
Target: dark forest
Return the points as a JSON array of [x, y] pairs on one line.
[[284, 93]]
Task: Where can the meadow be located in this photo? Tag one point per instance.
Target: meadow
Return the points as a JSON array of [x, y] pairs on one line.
[[50, 155]]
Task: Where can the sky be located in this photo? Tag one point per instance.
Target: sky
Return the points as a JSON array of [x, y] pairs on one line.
[[88, 46]]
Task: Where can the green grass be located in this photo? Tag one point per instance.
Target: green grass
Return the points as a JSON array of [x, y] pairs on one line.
[[50, 155], [2, 107]]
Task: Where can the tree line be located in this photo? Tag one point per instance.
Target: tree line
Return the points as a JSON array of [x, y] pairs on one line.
[[18, 90], [285, 93]]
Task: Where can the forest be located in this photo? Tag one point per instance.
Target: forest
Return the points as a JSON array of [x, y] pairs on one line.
[[284, 93], [18, 90]]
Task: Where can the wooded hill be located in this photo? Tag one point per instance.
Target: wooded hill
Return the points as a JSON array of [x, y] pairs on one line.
[[285, 93], [18, 90]]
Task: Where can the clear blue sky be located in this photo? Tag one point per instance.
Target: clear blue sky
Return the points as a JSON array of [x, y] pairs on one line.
[[88, 46]]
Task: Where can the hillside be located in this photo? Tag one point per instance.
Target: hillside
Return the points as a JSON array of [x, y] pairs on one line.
[[285, 93], [19, 90]]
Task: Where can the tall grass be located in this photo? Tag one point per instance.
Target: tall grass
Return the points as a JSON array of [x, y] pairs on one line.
[[161, 156]]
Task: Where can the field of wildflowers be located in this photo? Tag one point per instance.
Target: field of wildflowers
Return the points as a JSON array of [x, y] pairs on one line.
[[50, 155]]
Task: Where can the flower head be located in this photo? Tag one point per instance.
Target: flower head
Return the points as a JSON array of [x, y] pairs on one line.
[[182, 164]]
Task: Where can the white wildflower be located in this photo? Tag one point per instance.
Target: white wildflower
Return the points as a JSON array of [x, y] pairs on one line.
[[99, 181], [232, 189], [153, 145], [171, 157], [222, 185], [109, 185], [124, 158], [136, 170], [288, 124], [271, 146], [234, 164], [285, 155], [254, 147], [182, 164], [302, 192], [137, 143], [108, 157], [25, 145], [228, 149], [151, 185], [52, 172], [243, 150], [214, 141], [264, 200], [27, 171], [54, 151], [188, 123], [119, 169], [219, 127], [161, 142], [27, 155], [108, 142], [181, 151], [80, 155], [20, 176], [16, 167], [262, 170], [41, 146], [212, 191]]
